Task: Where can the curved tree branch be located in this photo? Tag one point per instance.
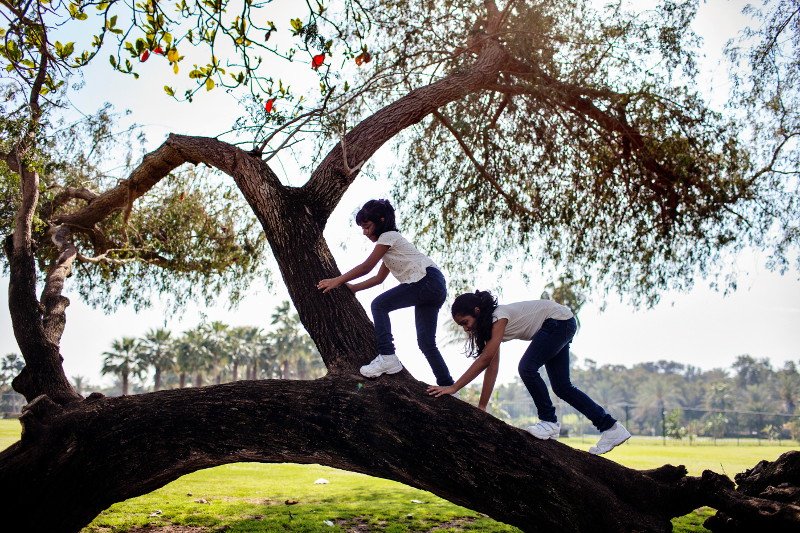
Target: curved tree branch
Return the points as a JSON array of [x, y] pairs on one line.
[[330, 180], [54, 304]]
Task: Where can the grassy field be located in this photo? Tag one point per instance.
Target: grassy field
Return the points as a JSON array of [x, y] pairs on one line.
[[251, 497]]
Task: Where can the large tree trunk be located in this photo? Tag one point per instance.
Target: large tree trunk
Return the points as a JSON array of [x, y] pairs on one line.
[[388, 428]]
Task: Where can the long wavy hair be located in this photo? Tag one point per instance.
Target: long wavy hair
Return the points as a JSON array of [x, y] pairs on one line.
[[465, 305], [380, 213]]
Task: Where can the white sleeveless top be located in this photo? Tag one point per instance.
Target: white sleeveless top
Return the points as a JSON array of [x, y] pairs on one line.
[[403, 260]]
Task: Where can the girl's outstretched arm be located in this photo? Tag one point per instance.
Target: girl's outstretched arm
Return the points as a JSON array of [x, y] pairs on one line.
[[490, 352], [489, 379], [377, 279], [355, 272]]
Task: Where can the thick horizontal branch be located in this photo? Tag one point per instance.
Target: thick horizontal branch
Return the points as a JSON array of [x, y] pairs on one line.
[[387, 428]]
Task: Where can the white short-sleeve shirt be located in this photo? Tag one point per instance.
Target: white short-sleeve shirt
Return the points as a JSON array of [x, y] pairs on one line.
[[403, 260], [526, 318]]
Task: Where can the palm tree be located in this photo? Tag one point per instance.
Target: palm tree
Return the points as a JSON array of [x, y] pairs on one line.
[[156, 349], [290, 342], [218, 344], [264, 362], [193, 356], [123, 361], [80, 383], [245, 343]]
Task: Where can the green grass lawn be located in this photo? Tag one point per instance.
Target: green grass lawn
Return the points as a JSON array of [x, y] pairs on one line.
[[252, 497]]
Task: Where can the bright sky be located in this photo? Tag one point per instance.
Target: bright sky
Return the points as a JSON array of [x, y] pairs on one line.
[[702, 328]]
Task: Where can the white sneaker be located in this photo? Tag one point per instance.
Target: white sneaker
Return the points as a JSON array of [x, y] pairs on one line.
[[383, 364], [610, 439], [545, 430]]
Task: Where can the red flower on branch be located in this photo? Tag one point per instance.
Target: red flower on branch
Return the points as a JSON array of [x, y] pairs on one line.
[[363, 57], [145, 55], [317, 61], [269, 104], [158, 50]]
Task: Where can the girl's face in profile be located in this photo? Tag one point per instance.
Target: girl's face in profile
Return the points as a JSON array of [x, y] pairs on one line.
[[368, 229], [465, 321]]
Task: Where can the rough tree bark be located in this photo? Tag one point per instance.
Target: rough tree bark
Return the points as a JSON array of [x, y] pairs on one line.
[[78, 456]]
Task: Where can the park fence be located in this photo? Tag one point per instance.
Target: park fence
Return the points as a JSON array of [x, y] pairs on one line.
[[668, 422]]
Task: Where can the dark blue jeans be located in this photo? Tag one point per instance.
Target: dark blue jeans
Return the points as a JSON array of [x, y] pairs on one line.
[[550, 347], [426, 296]]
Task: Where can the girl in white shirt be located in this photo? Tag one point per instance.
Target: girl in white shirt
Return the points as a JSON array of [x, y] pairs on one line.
[[422, 286], [550, 327]]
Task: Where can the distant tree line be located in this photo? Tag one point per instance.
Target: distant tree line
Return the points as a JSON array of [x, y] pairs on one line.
[[662, 398], [752, 399]]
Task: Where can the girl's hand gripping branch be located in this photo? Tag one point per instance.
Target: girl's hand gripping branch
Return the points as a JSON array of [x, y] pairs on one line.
[[488, 358], [327, 284], [436, 390]]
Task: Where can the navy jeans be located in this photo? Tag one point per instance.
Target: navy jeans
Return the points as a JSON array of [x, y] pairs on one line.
[[550, 347], [426, 296]]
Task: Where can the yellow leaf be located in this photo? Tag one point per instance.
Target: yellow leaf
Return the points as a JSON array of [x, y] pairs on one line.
[[209, 84], [172, 55], [175, 68]]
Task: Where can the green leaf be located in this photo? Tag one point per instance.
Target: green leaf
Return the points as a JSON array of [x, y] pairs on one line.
[[169, 90], [297, 25], [113, 61]]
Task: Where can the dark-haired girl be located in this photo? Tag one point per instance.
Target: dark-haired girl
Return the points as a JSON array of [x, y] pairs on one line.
[[550, 327], [422, 286]]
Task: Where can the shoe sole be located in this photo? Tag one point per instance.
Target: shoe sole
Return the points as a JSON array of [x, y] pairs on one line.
[[548, 437]]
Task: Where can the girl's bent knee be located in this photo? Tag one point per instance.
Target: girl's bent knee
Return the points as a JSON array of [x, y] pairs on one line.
[[526, 371], [562, 390]]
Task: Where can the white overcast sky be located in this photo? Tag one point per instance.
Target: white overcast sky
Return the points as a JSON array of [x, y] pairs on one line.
[[701, 328]]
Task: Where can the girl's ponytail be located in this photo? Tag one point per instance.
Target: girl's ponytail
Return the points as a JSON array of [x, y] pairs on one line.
[[465, 305]]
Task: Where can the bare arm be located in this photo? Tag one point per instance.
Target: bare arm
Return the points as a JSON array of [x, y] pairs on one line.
[[489, 379], [377, 279], [490, 352], [356, 272]]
